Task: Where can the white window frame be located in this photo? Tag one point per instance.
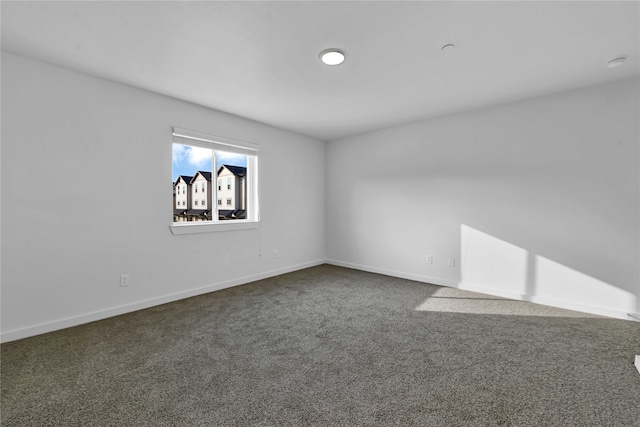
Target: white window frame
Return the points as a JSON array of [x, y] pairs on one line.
[[220, 143]]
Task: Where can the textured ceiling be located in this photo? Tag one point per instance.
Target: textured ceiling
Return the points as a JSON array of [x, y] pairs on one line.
[[260, 59]]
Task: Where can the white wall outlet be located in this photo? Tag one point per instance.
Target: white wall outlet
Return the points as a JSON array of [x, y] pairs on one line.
[[429, 259], [275, 253], [451, 262], [124, 280]]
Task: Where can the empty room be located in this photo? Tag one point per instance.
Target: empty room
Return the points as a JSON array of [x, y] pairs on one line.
[[320, 213]]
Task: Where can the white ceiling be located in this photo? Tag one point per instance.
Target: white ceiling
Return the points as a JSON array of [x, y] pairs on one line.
[[260, 60]]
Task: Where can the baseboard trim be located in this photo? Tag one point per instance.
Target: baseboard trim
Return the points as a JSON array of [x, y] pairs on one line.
[[395, 273], [68, 322], [601, 311], [634, 316], [552, 302]]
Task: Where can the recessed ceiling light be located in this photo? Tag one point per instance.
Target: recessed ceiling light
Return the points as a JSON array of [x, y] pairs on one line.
[[616, 62], [332, 56], [448, 47]]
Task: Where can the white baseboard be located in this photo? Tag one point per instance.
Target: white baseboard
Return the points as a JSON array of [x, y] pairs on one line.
[[68, 322], [394, 273], [552, 302], [492, 291], [569, 305], [637, 362], [55, 325]]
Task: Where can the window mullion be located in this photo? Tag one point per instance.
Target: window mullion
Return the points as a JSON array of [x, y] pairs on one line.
[[214, 190], [251, 188]]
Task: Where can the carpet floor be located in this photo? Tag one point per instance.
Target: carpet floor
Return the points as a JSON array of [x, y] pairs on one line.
[[329, 346]]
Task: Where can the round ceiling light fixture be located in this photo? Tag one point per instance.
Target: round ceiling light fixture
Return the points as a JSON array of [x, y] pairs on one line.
[[616, 62], [332, 56]]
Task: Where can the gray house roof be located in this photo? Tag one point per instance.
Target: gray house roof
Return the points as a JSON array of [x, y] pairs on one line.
[[232, 214], [236, 170], [186, 179], [201, 212], [205, 174]]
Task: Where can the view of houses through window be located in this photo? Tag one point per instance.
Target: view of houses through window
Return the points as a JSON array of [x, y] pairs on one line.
[[202, 193]]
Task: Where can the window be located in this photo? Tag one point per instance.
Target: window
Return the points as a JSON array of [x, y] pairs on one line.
[[216, 158]]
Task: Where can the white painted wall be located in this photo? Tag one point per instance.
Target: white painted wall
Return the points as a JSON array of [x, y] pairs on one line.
[[89, 140], [535, 200]]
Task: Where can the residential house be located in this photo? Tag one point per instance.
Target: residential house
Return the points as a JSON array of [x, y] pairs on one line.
[[200, 208], [182, 198], [232, 192]]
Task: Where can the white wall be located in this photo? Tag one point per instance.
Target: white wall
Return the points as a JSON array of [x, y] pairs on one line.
[[536, 200], [92, 143]]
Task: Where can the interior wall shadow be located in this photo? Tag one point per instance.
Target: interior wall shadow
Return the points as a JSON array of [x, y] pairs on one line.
[[494, 263]]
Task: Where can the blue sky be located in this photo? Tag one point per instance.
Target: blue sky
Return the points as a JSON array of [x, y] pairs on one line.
[[187, 160]]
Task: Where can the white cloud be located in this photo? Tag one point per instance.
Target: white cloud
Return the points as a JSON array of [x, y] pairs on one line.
[[198, 156], [190, 156], [179, 153], [234, 159]]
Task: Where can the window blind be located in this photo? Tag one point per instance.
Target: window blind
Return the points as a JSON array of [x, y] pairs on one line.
[[191, 137]]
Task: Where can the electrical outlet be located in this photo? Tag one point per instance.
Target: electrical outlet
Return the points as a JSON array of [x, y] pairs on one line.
[[275, 253], [124, 280], [451, 262], [429, 259]]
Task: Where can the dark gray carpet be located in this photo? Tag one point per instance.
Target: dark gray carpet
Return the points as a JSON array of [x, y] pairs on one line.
[[329, 346]]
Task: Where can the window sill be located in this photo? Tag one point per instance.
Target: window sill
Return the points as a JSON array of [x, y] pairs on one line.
[[195, 228]]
